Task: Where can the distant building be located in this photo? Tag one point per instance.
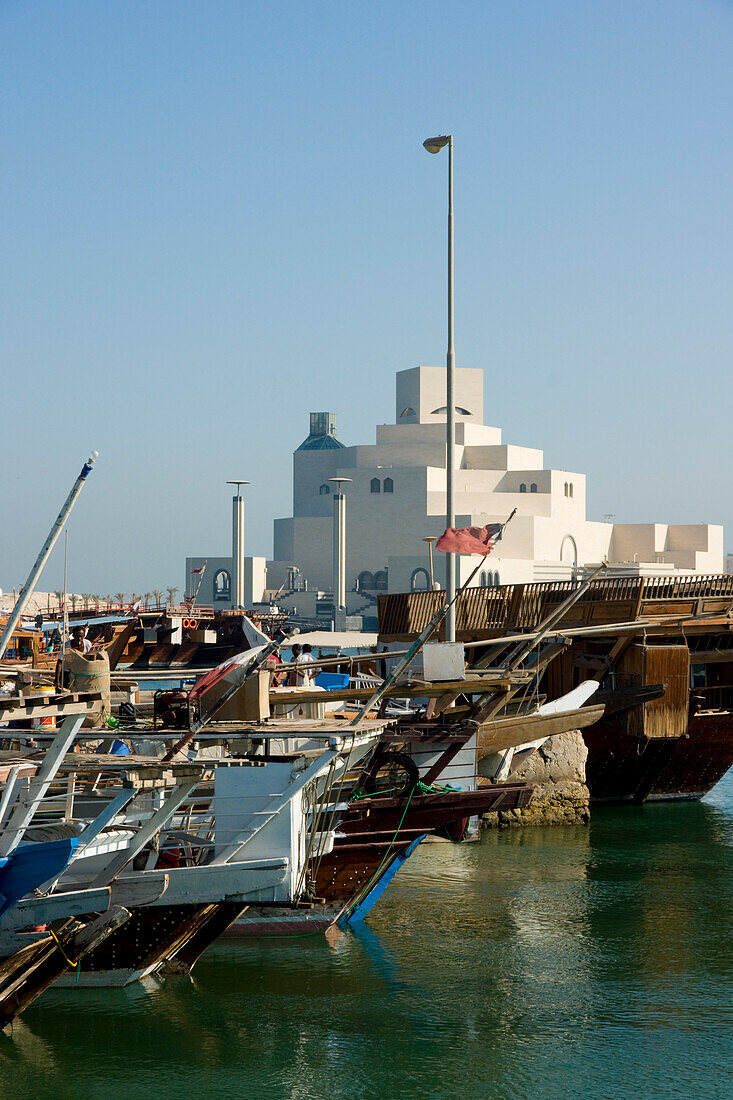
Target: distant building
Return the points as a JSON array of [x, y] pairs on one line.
[[396, 497]]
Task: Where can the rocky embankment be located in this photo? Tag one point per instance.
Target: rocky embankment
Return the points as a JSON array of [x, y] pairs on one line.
[[557, 773]]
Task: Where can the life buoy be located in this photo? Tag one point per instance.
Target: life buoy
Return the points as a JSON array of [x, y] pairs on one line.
[[186, 624], [192, 624], [391, 759]]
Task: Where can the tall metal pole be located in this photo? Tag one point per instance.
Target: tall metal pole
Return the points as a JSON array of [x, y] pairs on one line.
[[65, 613], [450, 511], [237, 549], [29, 587], [237, 545], [339, 543], [340, 502]]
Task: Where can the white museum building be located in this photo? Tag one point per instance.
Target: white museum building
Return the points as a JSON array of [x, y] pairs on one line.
[[395, 499]]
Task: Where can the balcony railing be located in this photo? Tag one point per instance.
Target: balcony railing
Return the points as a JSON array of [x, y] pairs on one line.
[[488, 611]]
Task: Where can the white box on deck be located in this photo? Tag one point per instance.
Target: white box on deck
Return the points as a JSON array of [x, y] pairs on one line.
[[443, 661]]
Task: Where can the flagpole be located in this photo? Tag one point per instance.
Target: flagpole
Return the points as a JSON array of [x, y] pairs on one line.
[[421, 639]]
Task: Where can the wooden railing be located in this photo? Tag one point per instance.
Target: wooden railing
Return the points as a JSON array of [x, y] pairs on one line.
[[488, 611], [712, 699]]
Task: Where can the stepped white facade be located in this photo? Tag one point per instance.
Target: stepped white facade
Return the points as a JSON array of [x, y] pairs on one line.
[[396, 497]]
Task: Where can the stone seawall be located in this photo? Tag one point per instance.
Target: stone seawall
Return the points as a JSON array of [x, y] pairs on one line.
[[557, 773]]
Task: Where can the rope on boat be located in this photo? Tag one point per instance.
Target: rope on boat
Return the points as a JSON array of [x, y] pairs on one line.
[[365, 890], [429, 788], [66, 957], [335, 800]]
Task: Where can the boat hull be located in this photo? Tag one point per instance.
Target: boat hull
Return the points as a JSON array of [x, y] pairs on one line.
[[156, 939], [625, 769]]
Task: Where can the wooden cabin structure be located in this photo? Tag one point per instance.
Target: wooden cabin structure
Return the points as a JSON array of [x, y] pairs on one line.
[[662, 648]]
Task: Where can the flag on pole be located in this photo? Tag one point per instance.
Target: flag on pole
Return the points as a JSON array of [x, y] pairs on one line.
[[470, 540], [199, 570]]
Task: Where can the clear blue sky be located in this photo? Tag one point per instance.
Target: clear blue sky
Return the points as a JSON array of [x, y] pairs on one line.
[[218, 216]]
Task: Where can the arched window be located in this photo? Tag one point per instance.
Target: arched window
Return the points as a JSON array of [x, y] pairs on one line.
[[522, 488], [569, 550], [444, 409], [533, 487], [482, 578], [571, 489], [409, 411], [365, 580], [419, 581], [222, 585], [324, 490], [496, 577], [376, 486], [380, 580], [566, 489], [388, 485]]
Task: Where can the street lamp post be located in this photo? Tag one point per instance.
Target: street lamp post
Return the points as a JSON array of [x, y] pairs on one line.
[[434, 145], [339, 543], [238, 544]]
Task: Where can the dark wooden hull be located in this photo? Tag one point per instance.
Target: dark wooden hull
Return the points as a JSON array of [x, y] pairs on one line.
[[25, 975], [442, 814], [158, 938], [626, 769], [379, 827]]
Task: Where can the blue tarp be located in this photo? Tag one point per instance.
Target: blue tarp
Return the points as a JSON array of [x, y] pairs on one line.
[[30, 865], [332, 681], [92, 621]]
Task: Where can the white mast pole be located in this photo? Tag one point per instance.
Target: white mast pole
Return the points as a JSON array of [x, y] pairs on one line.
[[29, 587]]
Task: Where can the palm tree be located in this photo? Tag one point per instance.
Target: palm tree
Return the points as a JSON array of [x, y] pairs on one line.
[[59, 596], [146, 599], [87, 599], [158, 596], [120, 597], [172, 593], [73, 597]]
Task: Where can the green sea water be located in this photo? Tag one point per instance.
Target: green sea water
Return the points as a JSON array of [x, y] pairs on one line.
[[552, 962]]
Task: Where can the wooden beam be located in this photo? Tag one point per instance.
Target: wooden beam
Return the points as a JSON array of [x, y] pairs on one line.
[[415, 689], [507, 733]]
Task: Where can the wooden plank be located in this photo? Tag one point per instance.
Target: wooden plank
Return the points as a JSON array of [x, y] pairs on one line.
[[507, 733], [47, 706], [414, 689]]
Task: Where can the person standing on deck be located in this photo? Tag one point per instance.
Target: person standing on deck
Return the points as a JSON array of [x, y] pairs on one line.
[[292, 679], [78, 642], [305, 660]]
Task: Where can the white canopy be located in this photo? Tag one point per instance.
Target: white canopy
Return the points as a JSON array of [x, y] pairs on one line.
[[336, 639]]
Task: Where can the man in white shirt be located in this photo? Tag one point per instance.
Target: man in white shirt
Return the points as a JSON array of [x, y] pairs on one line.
[[79, 640], [305, 672]]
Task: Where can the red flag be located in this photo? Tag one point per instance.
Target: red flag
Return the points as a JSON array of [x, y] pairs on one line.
[[199, 570], [469, 540]]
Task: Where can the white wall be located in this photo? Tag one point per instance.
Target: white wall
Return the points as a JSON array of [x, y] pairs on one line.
[[385, 530]]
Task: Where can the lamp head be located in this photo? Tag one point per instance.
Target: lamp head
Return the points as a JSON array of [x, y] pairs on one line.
[[435, 144], [239, 481]]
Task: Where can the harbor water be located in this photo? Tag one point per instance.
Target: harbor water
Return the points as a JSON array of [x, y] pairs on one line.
[[545, 962]]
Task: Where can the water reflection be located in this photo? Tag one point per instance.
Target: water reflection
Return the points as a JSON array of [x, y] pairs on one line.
[[590, 961]]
